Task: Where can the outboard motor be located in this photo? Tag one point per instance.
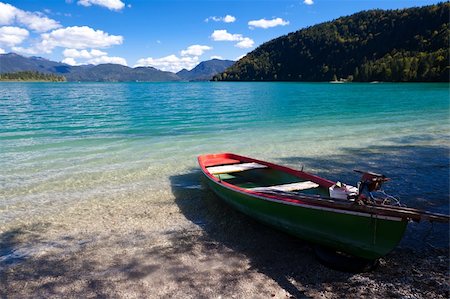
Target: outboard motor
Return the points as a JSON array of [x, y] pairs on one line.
[[370, 182]]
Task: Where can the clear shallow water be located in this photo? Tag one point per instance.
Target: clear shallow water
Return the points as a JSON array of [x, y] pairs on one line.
[[64, 143]]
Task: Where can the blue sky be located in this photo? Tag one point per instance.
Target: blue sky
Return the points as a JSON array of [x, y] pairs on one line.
[[168, 35]]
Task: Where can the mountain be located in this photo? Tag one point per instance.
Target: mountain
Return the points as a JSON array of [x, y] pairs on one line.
[[12, 63], [376, 45], [118, 73], [205, 70]]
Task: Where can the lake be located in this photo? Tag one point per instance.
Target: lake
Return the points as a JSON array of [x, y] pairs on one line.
[[65, 144]]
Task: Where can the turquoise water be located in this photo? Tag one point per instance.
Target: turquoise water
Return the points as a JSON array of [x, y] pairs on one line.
[[66, 143]]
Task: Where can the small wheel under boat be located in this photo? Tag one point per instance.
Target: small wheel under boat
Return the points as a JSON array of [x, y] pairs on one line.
[[343, 262]]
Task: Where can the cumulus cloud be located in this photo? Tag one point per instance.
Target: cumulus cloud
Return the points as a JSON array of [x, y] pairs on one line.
[[263, 23], [216, 57], [79, 38], [32, 20], [229, 19], [245, 43], [240, 57], [195, 50], [26, 51], [72, 38], [308, 2], [93, 56], [70, 61], [107, 59], [225, 19], [171, 63], [7, 13], [109, 4], [223, 35], [2, 51], [36, 21], [74, 53], [11, 36]]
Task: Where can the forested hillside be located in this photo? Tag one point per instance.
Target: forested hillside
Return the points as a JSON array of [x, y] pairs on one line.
[[31, 76], [376, 45]]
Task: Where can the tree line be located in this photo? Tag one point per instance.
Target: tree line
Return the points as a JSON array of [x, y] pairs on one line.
[[31, 76]]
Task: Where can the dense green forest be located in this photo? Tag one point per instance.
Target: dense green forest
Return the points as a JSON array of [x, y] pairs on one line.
[[31, 76], [377, 45]]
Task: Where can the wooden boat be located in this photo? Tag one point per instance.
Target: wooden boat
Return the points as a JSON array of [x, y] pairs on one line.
[[345, 218]]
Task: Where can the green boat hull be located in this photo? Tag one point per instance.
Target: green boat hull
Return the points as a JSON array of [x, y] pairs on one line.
[[357, 234]]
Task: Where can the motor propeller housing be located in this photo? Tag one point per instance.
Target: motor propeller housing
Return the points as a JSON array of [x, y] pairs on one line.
[[370, 181]]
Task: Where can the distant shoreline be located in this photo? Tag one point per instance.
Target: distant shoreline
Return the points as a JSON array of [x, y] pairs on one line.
[[242, 81], [32, 81]]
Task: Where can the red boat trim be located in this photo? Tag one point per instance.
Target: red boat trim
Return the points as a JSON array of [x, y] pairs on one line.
[[287, 201]]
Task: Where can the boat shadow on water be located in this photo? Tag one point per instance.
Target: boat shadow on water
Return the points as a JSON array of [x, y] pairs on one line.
[[268, 251], [419, 177]]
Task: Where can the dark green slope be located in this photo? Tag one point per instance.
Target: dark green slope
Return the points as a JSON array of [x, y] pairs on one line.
[[393, 45]]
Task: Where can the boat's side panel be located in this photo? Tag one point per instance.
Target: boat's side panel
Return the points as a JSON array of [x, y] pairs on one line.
[[358, 235]]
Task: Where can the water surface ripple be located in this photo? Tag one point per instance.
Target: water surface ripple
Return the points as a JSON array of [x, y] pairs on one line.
[[64, 143]]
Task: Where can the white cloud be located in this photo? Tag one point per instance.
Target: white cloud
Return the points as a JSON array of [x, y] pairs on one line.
[[74, 53], [226, 19], [70, 61], [72, 38], [7, 13], [36, 21], [170, 63], [195, 50], [240, 57], [308, 2], [107, 59], [263, 23], [110, 4], [32, 20], [96, 53], [223, 35], [78, 38], [245, 43], [91, 57], [11, 36], [216, 57], [215, 19], [2, 51], [229, 19], [27, 51]]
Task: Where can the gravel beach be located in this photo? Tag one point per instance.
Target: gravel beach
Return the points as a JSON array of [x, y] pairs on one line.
[[191, 245]]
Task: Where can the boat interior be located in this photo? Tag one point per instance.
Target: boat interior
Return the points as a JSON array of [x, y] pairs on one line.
[[261, 178]]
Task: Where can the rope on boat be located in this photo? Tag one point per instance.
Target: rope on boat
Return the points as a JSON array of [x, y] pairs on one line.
[[387, 200]]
